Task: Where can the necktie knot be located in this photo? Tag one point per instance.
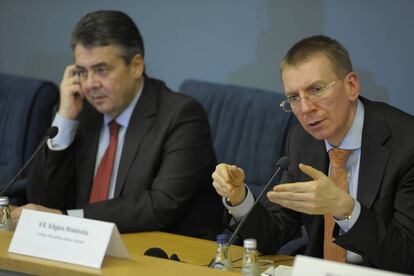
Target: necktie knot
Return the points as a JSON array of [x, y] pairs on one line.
[[338, 157], [113, 128]]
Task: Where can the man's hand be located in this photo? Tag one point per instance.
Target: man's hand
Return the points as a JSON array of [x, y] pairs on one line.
[[16, 211], [228, 180], [317, 197], [71, 97]]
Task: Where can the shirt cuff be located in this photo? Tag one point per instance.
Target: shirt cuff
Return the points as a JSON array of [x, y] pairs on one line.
[[76, 213], [241, 209], [347, 224], [66, 133]]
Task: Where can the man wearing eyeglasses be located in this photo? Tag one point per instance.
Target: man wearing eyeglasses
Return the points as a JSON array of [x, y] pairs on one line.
[[350, 181]]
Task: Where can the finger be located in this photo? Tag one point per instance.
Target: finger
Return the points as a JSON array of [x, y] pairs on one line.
[[69, 71], [236, 172], [223, 190], [222, 171], [76, 79], [73, 88], [312, 172], [217, 177], [298, 202], [230, 174], [276, 196], [300, 206], [297, 187], [218, 189]]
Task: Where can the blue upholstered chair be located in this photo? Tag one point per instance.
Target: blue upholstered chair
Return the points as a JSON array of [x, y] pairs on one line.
[[249, 130], [248, 126], [26, 107]]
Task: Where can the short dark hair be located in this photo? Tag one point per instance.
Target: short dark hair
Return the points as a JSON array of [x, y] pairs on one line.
[[319, 44], [103, 28]]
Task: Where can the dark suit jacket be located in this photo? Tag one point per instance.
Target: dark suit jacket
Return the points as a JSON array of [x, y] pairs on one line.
[[164, 176], [384, 232]]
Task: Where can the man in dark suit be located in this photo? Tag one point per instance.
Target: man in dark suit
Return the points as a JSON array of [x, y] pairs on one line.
[[134, 153], [364, 211]]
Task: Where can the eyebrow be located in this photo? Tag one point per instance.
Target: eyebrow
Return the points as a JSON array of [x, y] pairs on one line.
[[97, 65], [307, 88], [291, 93]]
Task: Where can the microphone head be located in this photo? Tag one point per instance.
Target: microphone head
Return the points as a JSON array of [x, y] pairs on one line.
[[156, 252], [174, 257], [52, 131], [283, 162]]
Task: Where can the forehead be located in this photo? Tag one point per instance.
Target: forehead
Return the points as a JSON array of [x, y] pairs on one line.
[[315, 68], [89, 56]]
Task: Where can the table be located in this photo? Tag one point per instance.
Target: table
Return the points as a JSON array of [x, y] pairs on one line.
[[194, 253]]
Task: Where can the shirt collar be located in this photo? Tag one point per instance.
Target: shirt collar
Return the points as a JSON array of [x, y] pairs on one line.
[[353, 138], [123, 118]]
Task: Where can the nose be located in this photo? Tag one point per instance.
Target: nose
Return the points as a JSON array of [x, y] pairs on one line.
[[306, 105], [90, 82]]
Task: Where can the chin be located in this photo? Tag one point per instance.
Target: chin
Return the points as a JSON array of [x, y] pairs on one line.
[[318, 135], [102, 110]]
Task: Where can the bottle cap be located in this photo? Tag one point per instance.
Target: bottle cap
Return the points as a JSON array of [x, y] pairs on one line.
[[222, 238], [4, 200], [249, 243]]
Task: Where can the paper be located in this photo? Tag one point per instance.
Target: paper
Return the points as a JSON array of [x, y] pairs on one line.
[[67, 239], [281, 270], [304, 265]]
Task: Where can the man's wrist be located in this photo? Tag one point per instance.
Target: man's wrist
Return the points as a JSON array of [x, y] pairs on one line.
[[240, 199], [348, 214]]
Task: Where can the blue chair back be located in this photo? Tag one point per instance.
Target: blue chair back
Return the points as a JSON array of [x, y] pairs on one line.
[[26, 107], [248, 126]]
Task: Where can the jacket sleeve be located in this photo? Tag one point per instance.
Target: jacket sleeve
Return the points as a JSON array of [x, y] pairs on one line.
[[47, 185], [384, 234]]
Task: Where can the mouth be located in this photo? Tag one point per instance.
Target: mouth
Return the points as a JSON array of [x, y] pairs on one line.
[[98, 100], [97, 95], [316, 124]]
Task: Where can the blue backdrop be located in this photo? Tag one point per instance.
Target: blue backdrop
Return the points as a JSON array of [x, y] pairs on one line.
[[229, 41]]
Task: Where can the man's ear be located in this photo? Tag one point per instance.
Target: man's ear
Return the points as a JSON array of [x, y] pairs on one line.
[[352, 85], [138, 65]]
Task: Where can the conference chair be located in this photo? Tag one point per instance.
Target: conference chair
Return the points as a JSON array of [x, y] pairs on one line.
[[249, 130], [26, 107]]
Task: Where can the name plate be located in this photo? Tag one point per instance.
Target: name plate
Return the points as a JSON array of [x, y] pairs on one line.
[[66, 239], [304, 265]]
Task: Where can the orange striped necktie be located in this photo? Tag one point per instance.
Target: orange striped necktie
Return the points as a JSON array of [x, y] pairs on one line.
[[338, 158]]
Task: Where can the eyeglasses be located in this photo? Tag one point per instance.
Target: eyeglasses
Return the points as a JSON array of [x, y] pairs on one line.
[[313, 95]]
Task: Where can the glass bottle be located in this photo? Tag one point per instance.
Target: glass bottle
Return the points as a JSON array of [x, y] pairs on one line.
[[5, 218], [222, 260], [250, 265]]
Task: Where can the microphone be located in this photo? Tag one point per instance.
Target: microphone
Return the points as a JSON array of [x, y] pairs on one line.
[[156, 252], [159, 253], [282, 164], [50, 133]]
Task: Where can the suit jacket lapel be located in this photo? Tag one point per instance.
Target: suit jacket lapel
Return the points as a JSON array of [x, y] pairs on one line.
[[317, 158], [374, 155], [141, 121]]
